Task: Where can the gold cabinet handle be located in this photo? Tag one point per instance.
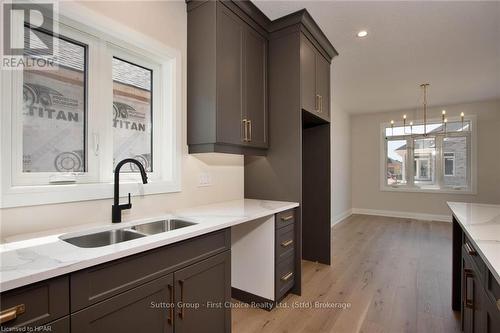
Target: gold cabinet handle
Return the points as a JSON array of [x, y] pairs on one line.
[[467, 302], [498, 304], [286, 243], [181, 313], [170, 318], [320, 103], [316, 103], [11, 313], [245, 130], [287, 276], [286, 218], [469, 249], [250, 130]]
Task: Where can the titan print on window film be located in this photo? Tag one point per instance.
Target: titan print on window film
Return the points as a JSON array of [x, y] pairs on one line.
[[131, 114], [53, 118]]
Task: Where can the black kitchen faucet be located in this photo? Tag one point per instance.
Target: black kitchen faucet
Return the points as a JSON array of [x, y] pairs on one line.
[[117, 208]]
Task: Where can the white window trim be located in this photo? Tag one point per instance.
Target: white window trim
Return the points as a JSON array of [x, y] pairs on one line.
[[72, 14], [410, 187]]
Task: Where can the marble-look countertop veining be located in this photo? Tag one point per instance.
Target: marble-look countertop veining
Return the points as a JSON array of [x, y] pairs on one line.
[[481, 223], [32, 260]]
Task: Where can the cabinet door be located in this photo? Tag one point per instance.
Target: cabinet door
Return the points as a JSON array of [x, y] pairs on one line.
[[308, 75], [147, 308], [201, 293], [255, 88], [492, 319], [323, 86], [472, 293], [230, 31]]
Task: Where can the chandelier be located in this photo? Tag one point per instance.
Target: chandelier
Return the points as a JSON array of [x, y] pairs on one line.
[[444, 119]]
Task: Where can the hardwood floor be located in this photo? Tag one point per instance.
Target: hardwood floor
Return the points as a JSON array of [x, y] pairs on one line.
[[395, 274]]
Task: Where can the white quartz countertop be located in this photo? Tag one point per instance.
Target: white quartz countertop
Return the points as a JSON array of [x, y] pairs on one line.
[[481, 223], [37, 259]]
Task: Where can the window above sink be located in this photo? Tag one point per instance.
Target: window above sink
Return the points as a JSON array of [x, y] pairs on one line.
[[61, 141]]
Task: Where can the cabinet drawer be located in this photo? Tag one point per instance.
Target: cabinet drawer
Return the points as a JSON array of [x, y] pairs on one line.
[[147, 308], [36, 304], [98, 283], [285, 242], [285, 276], [285, 218], [470, 252], [57, 326]]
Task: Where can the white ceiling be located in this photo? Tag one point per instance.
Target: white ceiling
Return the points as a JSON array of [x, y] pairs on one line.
[[454, 46]]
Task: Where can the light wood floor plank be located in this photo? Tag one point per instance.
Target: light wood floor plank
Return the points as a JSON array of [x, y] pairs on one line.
[[394, 273]]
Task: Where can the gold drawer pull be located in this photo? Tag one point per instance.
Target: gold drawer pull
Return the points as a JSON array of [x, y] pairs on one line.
[[286, 243], [286, 218], [498, 304], [469, 249], [286, 277], [12, 313]]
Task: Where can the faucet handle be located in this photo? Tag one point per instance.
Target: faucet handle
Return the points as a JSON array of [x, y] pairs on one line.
[[127, 205]]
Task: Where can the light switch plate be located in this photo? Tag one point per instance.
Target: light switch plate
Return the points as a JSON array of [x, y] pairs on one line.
[[204, 179]]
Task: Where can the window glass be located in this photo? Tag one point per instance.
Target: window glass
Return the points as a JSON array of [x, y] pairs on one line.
[[432, 128], [455, 162], [53, 114], [396, 162], [449, 164], [132, 114], [424, 152]]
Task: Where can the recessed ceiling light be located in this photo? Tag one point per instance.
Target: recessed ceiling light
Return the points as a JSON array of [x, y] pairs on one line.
[[362, 33]]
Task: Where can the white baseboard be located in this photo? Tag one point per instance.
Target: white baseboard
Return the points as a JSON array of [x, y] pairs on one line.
[[406, 215], [341, 217]]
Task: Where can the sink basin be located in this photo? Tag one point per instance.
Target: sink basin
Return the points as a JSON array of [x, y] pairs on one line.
[[161, 226], [109, 237], [104, 238]]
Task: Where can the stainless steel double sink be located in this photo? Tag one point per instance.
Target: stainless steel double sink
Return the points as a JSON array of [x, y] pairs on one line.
[[108, 237]]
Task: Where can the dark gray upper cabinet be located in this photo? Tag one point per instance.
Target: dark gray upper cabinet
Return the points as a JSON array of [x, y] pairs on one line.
[[315, 79], [255, 88], [227, 80], [229, 77]]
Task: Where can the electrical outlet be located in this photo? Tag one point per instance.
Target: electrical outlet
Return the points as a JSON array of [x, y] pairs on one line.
[[204, 179]]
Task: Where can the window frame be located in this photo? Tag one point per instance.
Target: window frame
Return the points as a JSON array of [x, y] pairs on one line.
[[105, 31], [439, 187]]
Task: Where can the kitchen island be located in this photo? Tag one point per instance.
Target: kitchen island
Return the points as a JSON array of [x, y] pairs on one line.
[[476, 265]]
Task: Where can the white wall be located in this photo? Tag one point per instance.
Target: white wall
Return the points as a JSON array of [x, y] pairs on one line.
[[365, 139], [341, 163], [165, 21]]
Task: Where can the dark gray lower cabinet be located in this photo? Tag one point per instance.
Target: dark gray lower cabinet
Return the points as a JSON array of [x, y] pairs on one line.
[[202, 292], [147, 308], [181, 287], [36, 305], [478, 292], [472, 292]]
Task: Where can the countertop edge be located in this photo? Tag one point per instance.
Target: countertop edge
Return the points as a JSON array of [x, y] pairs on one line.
[[86, 263], [477, 246]]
